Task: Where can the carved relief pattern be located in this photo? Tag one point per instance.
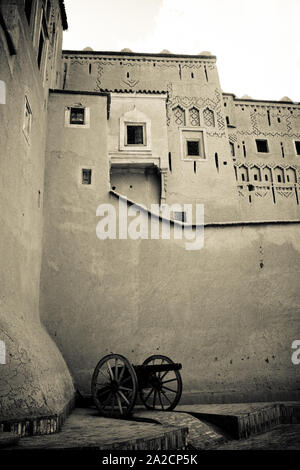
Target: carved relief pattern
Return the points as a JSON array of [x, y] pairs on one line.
[[194, 117], [209, 119], [232, 138], [285, 192], [202, 102], [257, 131], [285, 170], [130, 82], [179, 116]]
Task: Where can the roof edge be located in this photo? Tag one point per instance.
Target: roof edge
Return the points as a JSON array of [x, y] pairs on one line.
[[247, 100], [140, 54], [63, 15]]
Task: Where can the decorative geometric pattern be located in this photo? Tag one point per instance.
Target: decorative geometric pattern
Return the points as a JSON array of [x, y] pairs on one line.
[[209, 119], [232, 138], [194, 117], [285, 116], [283, 169], [179, 116], [201, 102]]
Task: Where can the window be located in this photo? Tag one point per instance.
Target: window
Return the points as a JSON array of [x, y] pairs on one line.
[[193, 148], [135, 134], [297, 145], [27, 119], [77, 116], [41, 46], [181, 216], [28, 8], [193, 143], [262, 146], [86, 176]]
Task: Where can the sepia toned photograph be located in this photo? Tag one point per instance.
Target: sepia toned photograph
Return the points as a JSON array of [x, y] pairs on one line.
[[149, 229]]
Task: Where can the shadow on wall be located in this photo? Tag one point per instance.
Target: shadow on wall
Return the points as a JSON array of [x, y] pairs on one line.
[[142, 185]]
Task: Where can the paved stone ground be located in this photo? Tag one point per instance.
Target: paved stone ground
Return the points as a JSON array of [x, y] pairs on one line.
[[283, 437], [84, 428], [231, 408], [202, 435]]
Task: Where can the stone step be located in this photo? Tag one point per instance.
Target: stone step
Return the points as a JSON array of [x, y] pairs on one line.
[[8, 439], [201, 435], [242, 420]]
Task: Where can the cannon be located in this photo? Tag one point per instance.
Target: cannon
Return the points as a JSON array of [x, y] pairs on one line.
[[116, 384]]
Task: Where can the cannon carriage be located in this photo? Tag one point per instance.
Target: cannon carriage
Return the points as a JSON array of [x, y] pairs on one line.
[[117, 384]]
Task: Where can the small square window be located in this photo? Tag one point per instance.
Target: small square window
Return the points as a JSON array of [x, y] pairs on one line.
[[135, 134], [297, 145], [77, 116], [193, 148], [86, 176], [181, 216], [262, 145]]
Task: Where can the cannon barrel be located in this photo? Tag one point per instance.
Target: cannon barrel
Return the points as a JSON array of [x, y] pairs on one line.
[[150, 368]]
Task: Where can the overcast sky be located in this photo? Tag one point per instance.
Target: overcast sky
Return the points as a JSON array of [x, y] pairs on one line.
[[256, 41]]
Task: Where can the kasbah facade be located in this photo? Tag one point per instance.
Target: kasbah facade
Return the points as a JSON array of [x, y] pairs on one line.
[[79, 129]]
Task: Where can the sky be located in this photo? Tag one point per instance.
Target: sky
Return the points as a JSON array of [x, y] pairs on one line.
[[256, 42]]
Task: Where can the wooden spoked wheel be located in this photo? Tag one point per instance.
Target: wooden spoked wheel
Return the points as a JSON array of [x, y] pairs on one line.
[[163, 389], [114, 386]]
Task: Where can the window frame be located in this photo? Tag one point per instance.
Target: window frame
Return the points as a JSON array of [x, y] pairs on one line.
[[262, 140], [27, 124], [135, 148], [193, 134], [295, 143], [78, 122], [90, 170], [86, 123], [134, 124]]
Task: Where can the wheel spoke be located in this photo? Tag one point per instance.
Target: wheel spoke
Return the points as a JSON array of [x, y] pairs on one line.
[[161, 403], [119, 404], [170, 389], [110, 371], [125, 388], [102, 393], [125, 380], [170, 380], [166, 397], [122, 373], [116, 368], [148, 396], [165, 373], [154, 398], [123, 396], [101, 372]]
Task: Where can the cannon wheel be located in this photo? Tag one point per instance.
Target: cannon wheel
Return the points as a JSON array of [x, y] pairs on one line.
[[163, 390], [114, 386]]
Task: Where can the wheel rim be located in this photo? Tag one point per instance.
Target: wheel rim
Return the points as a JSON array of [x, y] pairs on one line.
[[164, 389], [114, 386]]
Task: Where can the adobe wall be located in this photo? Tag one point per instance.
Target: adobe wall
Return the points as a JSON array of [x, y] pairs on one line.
[[267, 182], [228, 312], [193, 89], [192, 85], [34, 379]]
